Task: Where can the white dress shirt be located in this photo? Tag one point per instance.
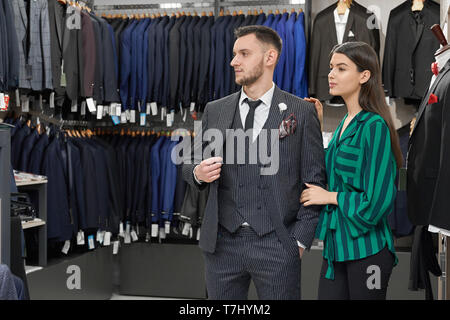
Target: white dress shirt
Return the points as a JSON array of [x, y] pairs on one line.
[[340, 22]]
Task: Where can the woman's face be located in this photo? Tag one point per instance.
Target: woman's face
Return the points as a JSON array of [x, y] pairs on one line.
[[344, 78]]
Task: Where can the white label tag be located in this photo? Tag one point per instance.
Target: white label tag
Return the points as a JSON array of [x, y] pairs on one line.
[[167, 227], [121, 230], [154, 108], [91, 242], [123, 118], [91, 105], [133, 116], [168, 120], [127, 230], [105, 110], [143, 118], [80, 238], [25, 102], [186, 227], [116, 247], [18, 98], [191, 232], [99, 112], [2, 101], [52, 100], [107, 240], [148, 108], [134, 236], [83, 108], [162, 233], [184, 116], [163, 113], [154, 230], [118, 109], [387, 100], [41, 103], [66, 247], [127, 239], [74, 107], [198, 234], [192, 107], [127, 113], [112, 109]]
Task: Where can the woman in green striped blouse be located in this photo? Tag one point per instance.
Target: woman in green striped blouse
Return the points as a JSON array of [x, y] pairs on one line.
[[361, 162]]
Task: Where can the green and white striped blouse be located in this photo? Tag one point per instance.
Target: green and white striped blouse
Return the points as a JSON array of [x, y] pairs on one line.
[[361, 168]]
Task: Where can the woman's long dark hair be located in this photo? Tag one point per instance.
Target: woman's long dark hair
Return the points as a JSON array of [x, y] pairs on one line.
[[371, 97]]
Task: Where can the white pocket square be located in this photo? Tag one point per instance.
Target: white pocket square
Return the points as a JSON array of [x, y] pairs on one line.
[[350, 34]]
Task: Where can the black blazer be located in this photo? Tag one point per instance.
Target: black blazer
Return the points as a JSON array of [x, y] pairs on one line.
[[409, 52], [324, 38], [428, 172], [71, 44], [56, 17]]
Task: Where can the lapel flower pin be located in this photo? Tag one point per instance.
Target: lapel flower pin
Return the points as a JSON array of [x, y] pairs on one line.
[[432, 99], [435, 68], [282, 107]]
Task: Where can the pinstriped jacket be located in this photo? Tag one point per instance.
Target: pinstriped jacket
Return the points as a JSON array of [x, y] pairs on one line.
[[301, 159], [39, 55]]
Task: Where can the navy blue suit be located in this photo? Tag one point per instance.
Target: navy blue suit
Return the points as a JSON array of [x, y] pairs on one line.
[[279, 70], [27, 146], [212, 52], [188, 74], [35, 162], [125, 64], [219, 60], [300, 81], [159, 60], [183, 57]]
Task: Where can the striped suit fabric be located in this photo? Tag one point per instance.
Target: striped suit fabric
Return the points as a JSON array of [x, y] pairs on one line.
[[361, 168], [301, 159]]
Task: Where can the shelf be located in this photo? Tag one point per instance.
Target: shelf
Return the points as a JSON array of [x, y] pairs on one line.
[[32, 224], [30, 183]]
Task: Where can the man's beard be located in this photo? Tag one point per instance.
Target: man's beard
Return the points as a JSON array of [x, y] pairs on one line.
[[253, 77]]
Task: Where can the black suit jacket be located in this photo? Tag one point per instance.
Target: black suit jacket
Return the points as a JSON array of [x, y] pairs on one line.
[[71, 51], [56, 18], [203, 83], [188, 66], [13, 47], [409, 52], [174, 61], [324, 38], [428, 174]]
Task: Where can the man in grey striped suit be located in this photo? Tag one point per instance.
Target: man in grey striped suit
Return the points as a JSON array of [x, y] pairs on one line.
[[254, 226]]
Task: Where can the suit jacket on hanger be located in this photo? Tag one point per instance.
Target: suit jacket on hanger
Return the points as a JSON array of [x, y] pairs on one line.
[[56, 13], [324, 38], [409, 51], [428, 173]]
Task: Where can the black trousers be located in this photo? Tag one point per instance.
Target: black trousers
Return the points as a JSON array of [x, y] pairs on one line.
[[363, 279]]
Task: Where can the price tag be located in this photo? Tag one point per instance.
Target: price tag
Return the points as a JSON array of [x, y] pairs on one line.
[[18, 98], [112, 109], [123, 118], [25, 103], [133, 116], [121, 230], [167, 227], [52, 100], [127, 239], [134, 236], [198, 234], [91, 105], [91, 242], [83, 108], [115, 120], [127, 113], [118, 109], [107, 239], [2, 102], [80, 238], [143, 119], [192, 107], [148, 108], [66, 247], [99, 112], [186, 228], [115, 247], [105, 110], [162, 233], [154, 108], [154, 230], [74, 106]]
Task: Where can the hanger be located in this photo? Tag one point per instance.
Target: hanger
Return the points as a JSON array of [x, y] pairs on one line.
[[62, 1], [241, 12], [255, 12], [211, 14], [249, 13], [228, 12], [301, 10], [292, 10], [270, 11], [284, 10], [277, 11], [234, 13], [203, 13], [261, 11], [221, 13]]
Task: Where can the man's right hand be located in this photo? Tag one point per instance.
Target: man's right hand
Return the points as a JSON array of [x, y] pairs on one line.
[[209, 170]]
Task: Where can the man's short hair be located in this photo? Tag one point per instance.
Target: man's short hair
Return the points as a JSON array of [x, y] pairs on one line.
[[264, 34]]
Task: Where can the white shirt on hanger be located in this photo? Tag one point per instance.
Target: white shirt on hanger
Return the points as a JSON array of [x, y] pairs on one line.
[[340, 22]]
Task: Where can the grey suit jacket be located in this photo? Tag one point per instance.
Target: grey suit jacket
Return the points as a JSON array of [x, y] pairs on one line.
[[301, 159], [39, 55]]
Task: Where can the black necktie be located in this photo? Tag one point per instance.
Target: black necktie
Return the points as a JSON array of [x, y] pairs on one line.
[[251, 113]]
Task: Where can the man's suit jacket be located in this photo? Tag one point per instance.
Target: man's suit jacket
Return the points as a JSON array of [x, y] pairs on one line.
[[71, 62], [158, 74], [174, 61], [203, 81], [56, 13], [408, 53], [212, 53], [428, 172], [89, 55], [125, 64], [299, 80], [189, 62], [220, 61], [197, 61], [279, 69], [183, 56], [301, 160], [324, 38], [12, 45], [3, 51]]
